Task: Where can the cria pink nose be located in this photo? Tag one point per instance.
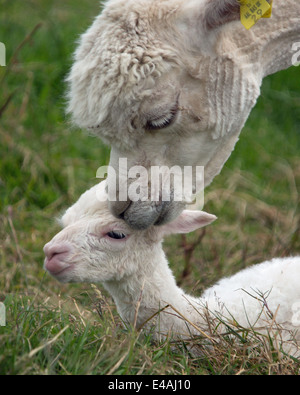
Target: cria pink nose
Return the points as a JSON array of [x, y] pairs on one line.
[[57, 255]]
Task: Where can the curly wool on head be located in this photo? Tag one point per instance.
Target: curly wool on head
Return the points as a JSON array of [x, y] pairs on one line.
[[118, 61]]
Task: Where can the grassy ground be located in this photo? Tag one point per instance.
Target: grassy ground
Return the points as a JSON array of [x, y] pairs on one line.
[[45, 166]]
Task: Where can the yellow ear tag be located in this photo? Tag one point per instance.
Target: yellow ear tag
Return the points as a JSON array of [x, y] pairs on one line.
[[268, 14], [253, 10]]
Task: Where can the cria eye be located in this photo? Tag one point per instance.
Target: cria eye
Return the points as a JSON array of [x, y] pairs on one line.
[[116, 235]]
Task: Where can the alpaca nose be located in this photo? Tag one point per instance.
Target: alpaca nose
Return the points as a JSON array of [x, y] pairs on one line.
[[52, 249], [143, 214], [57, 257]]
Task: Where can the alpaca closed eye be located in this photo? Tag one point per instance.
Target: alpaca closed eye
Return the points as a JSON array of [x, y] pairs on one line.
[[116, 235], [163, 121], [160, 123]]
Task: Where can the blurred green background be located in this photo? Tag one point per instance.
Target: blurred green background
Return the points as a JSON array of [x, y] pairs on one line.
[[45, 165]]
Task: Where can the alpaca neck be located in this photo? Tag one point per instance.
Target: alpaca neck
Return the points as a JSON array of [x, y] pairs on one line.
[[148, 291], [267, 47], [282, 31], [244, 58]]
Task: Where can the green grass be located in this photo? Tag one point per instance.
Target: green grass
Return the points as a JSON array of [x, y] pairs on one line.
[[45, 165]]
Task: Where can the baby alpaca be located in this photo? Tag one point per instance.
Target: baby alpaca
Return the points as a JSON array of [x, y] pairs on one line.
[[94, 246]]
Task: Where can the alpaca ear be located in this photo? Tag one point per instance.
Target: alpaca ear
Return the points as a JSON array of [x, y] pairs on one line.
[[220, 12], [211, 13], [187, 222]]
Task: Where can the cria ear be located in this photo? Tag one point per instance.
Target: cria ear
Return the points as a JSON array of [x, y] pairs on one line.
[[187, 222]]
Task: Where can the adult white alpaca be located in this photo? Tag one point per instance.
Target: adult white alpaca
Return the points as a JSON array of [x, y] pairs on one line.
[[96, 247], [172, 82]]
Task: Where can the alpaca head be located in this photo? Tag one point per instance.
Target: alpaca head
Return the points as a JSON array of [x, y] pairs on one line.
[[165, 83], [94, 246]]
